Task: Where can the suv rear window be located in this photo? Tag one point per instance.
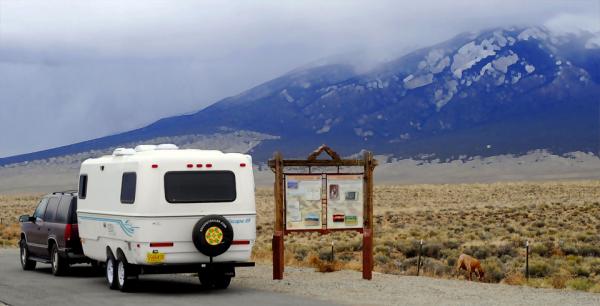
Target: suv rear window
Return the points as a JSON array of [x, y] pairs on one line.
[[66, 210], [50, 214], [200, 186]]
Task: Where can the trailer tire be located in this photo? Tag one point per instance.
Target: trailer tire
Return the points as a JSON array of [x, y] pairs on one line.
[[212, 235]]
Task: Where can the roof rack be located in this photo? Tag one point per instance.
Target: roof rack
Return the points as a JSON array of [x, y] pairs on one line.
[[66, 191]]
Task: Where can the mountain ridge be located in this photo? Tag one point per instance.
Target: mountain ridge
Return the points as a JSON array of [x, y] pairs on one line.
[[500, 91]]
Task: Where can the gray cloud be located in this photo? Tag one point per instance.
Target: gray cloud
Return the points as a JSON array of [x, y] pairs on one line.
[[73, 70]]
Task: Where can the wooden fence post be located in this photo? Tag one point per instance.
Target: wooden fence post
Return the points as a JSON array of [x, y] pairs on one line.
[[527, 260]]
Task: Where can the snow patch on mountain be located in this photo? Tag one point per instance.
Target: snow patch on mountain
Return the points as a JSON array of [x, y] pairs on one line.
[[470, 54], [533, 32], [419, 81], [442, 97], [529, 68], [287, 96], [502, 63]]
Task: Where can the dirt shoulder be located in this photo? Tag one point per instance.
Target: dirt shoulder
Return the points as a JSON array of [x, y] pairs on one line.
[[347, 287]]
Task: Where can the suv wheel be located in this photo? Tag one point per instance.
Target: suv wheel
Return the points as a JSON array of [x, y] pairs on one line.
[[26, 263], [59, 264], [123, 274], [222, 282], [111, 273], [214, 280]]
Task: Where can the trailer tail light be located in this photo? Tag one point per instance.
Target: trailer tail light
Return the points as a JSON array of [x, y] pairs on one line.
[[198, 165], [154, 166], [69, 231], [161, 244], [208, 165], [242, 165], [240, 242], [190, 165]]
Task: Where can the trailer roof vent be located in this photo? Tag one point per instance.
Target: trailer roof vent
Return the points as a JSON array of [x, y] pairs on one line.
[[142, 148], [167, 146], [123, 151]]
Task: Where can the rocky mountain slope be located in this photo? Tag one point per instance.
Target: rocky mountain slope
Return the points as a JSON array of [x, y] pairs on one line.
[[500, 91]]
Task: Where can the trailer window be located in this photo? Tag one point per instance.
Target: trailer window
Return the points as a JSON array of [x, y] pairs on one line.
[[128, 183], [82, 186], [200, 186]]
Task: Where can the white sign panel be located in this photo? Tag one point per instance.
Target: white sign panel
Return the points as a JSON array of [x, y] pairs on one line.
[[344, 201], [303, 207]]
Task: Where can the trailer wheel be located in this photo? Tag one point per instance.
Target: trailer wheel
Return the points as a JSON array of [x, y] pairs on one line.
[[111, 272], [212, 235], [123, 274]]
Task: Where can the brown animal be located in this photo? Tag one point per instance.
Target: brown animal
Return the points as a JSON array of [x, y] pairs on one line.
[[471, 265]]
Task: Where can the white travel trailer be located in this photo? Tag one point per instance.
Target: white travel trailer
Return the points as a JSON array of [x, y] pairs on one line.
[[159, 209]]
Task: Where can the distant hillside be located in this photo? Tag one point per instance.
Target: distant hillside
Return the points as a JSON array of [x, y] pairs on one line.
[[501, 91]]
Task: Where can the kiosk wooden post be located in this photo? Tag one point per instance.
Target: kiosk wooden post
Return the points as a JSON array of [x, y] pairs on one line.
[[278, 255], [277, 164], [367, 255]]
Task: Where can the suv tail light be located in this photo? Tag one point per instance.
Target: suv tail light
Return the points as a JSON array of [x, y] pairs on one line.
[[69, 231]]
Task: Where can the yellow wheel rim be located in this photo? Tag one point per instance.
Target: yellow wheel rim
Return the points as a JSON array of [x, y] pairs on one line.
[[214, 235]]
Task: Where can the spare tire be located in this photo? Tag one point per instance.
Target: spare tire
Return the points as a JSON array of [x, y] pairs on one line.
[[212, 235]]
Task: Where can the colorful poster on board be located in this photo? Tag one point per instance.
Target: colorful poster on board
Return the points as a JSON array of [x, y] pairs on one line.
[[344, 201], [303, 207]]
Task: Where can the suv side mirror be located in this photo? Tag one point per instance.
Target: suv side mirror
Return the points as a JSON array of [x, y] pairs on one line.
[[26, 218]]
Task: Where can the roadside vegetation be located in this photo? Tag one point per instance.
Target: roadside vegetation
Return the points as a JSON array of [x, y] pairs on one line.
[[491, 222]]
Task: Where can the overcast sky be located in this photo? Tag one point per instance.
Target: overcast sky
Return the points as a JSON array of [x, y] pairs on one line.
[[77, 70]]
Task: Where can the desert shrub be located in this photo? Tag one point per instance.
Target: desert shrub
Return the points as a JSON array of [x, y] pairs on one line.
[[325, 254], [595, 266], [408, 248], [301, 252], [568, 249], [514, 278], [381, 249], [451, 244], [480, 252], [494, 269], [539, 268], [435, 267], [581, 270], [589, 250], [432, 250], [506, 250], [583, 284], [451, 256], [407, 263], [559, 281], [542, 249], [381, 259], [346, 256]]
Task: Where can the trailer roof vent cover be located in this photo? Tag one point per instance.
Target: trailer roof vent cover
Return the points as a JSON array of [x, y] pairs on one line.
[[142, 148], [123, 151], [167, 146]]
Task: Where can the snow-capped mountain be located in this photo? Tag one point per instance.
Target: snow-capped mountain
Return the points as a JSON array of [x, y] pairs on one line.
[[505, 90]]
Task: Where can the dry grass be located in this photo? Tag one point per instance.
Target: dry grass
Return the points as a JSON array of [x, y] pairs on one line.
[[489, 221], [11, 207]]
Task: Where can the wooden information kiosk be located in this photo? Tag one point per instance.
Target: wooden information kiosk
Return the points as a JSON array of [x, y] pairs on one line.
[[323, 201]]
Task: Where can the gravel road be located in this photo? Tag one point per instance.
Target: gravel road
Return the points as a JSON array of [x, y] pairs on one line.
[[254, 286], [87, 287], [347, 287]]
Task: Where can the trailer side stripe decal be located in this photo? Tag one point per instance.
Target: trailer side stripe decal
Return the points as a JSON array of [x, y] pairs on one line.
[[127, 228]]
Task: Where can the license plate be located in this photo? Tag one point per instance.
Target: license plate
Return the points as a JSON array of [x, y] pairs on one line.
[[155, 257]]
